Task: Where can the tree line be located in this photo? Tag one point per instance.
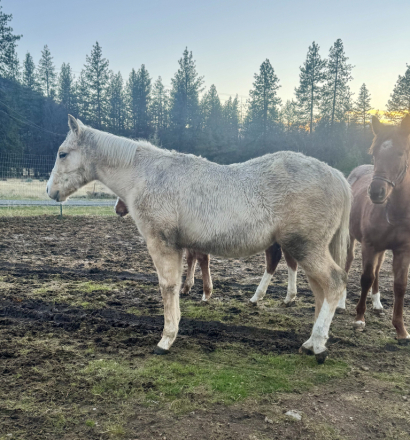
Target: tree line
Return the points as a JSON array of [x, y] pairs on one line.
[[323, 120]]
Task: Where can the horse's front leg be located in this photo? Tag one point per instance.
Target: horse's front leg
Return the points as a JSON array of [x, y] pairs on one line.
[[191, 259], [292, 275], [273, 255], [369, 261], [203, 260], [168, 262], [401, 261]]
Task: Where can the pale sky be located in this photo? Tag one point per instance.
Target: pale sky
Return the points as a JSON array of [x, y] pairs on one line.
[[229, 39]]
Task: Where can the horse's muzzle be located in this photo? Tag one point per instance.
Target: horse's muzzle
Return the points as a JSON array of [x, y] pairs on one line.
[[377, 193]]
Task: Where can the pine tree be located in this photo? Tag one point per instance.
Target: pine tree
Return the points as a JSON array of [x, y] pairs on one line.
[[312, 75], [185, 109], [96, 76], [336, 92], [138, 92], [29, 72], [263, 110], [82, 99], [13, 65], [8, 42], [362, 105], [212, 119], [65, 88], [289, 115], [399, 103], [231, 119], [159, 107], [46, 74], [117, 113]]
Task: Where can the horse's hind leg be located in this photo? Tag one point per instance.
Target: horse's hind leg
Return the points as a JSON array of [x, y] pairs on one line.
[[327, 281], [191, 259], [341, 307], [292, 275], [401, 261], [273, 255], [168, 263], [203, 260], [370, 259], [377, 305]]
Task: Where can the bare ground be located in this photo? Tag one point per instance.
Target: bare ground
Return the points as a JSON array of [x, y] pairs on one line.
[[80, 313]]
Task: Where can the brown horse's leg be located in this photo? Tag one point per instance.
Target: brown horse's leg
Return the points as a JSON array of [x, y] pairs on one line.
[[191, 259], [341, 306], [369, 260], [401, 261], [292, 273], [273, 255], [203, 260], [377, 305]]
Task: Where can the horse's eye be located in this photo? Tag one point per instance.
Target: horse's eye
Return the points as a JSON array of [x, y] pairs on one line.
[[62, 155]]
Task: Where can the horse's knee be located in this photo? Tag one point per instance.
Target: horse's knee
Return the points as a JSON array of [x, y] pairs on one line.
[[366, 280]]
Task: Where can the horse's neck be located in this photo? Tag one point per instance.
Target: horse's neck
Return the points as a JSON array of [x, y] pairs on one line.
[[117, 167], [118, 179], [399, 201]]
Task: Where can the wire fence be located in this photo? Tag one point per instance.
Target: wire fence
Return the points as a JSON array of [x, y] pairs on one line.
[[23, 180]]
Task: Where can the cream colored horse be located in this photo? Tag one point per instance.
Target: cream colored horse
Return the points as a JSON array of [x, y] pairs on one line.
[[182, 201]]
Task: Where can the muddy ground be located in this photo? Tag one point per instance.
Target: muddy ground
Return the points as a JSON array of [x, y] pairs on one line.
[[80, 313]]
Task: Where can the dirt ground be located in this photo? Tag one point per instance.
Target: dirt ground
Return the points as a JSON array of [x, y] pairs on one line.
[[80, 313]]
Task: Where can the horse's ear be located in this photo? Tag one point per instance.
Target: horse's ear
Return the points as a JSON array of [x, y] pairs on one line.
[[376, 125], [405, 124], [74, 125]]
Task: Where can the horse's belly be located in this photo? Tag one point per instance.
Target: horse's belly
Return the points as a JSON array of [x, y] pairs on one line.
[[238, 242]]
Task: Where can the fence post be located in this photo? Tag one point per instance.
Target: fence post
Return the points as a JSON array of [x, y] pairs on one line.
[[61, 210]]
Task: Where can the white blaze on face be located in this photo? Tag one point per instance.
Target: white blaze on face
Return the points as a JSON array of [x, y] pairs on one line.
[[386, 145]]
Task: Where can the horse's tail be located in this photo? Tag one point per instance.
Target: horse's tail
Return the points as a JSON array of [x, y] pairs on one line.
[[340, 241]]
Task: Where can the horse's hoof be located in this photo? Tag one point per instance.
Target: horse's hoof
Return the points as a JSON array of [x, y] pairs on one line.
[[160, 351], [289, 303], [403, 341], [252, 303], [307, 351], [379, 312], [321, 357], [359, 325], [340, 311]]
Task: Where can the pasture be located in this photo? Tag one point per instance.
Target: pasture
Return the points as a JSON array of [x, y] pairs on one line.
[[35, 189], [81, 312]]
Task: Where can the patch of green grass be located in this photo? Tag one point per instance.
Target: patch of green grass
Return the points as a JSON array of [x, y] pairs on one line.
[[54, 210], [90, 423], [135, 311], [89, 287], [224, 376]]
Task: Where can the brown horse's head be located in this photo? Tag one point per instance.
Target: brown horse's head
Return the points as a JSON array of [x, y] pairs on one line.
[[121, 208], [390, 150]]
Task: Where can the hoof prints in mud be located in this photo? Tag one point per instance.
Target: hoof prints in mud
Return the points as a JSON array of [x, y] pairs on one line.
[[71, 318]]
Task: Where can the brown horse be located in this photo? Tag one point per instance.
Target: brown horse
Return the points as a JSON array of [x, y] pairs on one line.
[[273, 256], [380, 218]]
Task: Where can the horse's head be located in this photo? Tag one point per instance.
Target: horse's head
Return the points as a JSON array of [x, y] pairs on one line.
[[71, 170], [390, 150]]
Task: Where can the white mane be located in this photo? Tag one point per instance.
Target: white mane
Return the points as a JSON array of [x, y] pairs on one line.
[[117, 149]]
